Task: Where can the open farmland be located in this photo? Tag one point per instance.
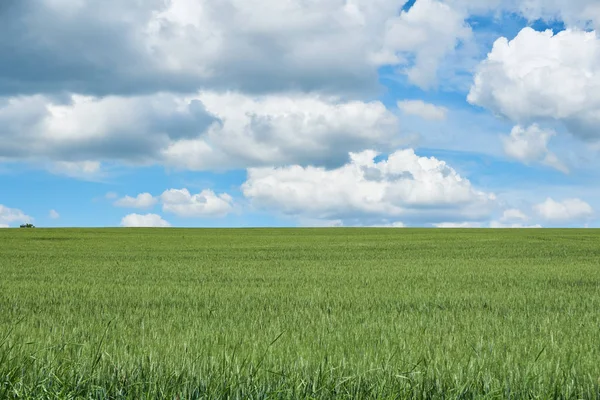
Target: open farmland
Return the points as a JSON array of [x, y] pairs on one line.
[[299, 313]]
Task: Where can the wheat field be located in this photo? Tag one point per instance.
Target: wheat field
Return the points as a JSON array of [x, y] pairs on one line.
[[299, 313]]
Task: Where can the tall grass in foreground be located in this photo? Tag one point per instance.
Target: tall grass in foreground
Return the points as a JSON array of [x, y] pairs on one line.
[[299, 313]]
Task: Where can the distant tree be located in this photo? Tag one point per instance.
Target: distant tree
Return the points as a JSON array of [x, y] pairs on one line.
[[27, 226]]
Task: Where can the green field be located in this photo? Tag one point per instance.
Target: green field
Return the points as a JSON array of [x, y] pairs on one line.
[[299, 313]]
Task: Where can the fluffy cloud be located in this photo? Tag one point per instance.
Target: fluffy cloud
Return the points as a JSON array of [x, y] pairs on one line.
[[124, 47], [578, 13], [491, 224], [539, 76], [499, 224], [100, 47], [338, 223], [131, 47], [204, 204], [147, 221], [423, 110], [76, 169], [320, 223], [207, 131], [428, 32], [564, 211], [9, 216], [531, 145], [53, 214], [278, 130], [405, 185], [397, 224], [513, 214], [458, 225], [142, 200], [78, 131], [574, 13], [182, 203]]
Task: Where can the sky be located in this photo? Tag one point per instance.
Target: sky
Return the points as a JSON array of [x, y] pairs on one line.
[[269, 113]]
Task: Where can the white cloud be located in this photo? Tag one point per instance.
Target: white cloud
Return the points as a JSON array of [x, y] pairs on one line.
[[574, 13], [9, 216], [513, 214], [204, 204], [423, 110], [405, 185], [577, 13], [77, 132], [491, 224], [539, 76], [284, 45], [252, 46], [80, 169], [205, 131], [147, 220], [458, 225], [566, 211], [53, 214], [396, 224], [111, 195], [338, 223], [428, 32], [142, 200], [280, 130], [531, 145], [182, 203], [320, 223], [499, 224], [4, 226]]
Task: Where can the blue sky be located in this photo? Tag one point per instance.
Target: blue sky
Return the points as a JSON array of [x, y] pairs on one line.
[[189, 113]]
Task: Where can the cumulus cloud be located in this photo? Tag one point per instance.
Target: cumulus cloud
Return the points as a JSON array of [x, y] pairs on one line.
[[539, 76], [338, 223], [53, 214], [131, 47], [320, 223], [146, 220], [405, 185], [423, 110], [205, 131], [574, 13], [10, 216], [491, 224], [458, 225], [204, 204], [427, 32], [531, 145], [77, 132], [567, 210], [577, 13], [76, 169], [101, 47], [513, 214], [182, 203], [279, 130], [142, 200], [396, 224], [499, 224]]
